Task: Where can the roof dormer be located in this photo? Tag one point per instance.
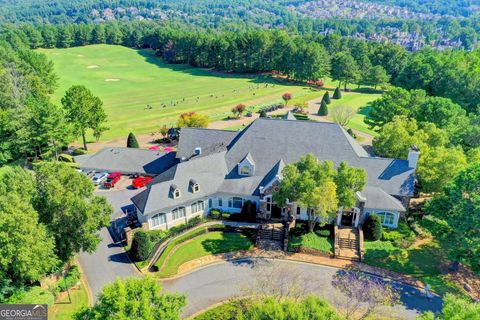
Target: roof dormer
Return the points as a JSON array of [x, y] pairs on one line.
[[194, 186], [175, 191], [246, 167]]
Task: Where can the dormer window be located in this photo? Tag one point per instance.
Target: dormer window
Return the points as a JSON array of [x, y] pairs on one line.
[[246, 167], [194, 186], [175, 191], [245, 170]]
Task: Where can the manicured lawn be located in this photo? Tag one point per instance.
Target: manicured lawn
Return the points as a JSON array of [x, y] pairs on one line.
[[422, 262], [317, 240], [63, 310], [203, 245], [128, 80]]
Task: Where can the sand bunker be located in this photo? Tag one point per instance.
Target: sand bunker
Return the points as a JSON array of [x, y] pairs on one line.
[[112, 79], [93, 66]]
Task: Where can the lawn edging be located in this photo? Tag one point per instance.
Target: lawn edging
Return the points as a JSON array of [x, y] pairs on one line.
[[206, 261], [161, 248]]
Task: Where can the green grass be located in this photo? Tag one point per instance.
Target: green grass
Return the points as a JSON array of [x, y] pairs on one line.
[[317, 240], [63, 310], [421, 262], [206, 244], [145, 80]]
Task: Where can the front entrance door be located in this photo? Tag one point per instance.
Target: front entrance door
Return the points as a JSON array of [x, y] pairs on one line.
[[276, 212], [272, 208]]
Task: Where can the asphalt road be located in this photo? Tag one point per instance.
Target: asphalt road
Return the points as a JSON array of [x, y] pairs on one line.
[[219, 282], [109, 261]]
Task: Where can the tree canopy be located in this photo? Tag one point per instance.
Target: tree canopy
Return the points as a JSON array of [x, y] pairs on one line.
[[68, 208], [134, 298], [319, 187], [84, 111], [459, 207], [192, 120]]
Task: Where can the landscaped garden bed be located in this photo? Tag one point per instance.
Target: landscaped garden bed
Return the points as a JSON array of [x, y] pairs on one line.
[[401, 251], [199, 243], [318, 242]]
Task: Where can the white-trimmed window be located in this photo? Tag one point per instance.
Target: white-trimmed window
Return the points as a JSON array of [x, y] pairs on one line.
[[176, 193], [196, 187], [198, 206], [245, 170], [178, 213], [387, 218], [158, 219], [235, 202], [220, 202]]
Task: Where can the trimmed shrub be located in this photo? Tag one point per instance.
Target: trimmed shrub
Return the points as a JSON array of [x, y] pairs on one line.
[[323, 111], [65, 158], [263, 114], [337, 94], [79, 152], [351, 133], [141, 246], [372, 228], [248, 213], [132, 141], [326, 98]]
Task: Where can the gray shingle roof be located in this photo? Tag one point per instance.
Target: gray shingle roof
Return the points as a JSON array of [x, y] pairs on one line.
[[211, 141], [379, 199], [129, 160], [209, 172], [273, 144]]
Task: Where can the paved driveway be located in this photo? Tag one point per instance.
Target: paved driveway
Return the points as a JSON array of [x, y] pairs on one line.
[[109, 261], [220, 282]]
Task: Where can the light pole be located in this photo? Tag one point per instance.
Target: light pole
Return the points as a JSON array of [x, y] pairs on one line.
[[64, 273]]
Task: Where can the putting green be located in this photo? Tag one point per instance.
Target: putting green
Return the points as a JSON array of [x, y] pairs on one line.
[[141, 93]]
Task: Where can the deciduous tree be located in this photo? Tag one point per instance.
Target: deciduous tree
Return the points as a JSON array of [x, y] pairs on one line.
[[84, 111], [67, 206], [192, 120], [239, 109], [134, 298], [287, 96]]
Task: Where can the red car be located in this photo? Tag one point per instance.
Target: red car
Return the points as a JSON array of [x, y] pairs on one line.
[[112, 179], [141, 182]]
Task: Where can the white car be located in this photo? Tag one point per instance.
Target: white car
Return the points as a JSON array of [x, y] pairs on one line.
[[98, 178]]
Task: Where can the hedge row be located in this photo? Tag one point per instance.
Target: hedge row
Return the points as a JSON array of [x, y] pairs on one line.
[[183, 238]]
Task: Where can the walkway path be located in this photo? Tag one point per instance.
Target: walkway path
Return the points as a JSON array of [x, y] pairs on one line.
[[219, 282]]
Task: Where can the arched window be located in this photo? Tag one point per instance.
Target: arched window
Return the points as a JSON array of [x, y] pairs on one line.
[[178, 213], [387, 218], [235, 202], [158, 219], [198, 206]]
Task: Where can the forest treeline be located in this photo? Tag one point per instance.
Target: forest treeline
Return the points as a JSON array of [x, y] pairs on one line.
[[450, 73], [449, 23]]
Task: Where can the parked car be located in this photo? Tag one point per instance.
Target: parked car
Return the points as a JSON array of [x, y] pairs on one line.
[[89, 174], [112, 179], [98, 178], [141, 182]]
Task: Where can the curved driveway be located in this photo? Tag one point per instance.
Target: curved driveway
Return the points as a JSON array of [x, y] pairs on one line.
[[110, 260], [219, 282]]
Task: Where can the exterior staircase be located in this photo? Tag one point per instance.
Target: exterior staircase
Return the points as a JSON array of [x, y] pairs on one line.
[[271, 236], [349, 243]]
